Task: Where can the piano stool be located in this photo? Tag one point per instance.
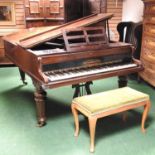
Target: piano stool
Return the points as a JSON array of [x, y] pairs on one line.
[[108, 103]]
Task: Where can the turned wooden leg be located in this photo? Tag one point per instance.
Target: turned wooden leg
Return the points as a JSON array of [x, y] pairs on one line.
[[92, 127], [145, 113], [122, 81], [76, 120], [40, 96], [22, 75]]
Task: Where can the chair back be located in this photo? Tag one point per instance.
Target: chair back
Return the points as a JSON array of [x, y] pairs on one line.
[[131, 32]]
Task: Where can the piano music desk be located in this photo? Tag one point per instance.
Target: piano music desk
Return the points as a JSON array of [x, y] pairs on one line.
[[108, 103]]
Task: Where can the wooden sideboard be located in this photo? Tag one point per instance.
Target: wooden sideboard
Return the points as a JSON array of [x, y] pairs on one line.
[[17, 10], [3, 60], [148, 43], [54, 12], [44, 12]]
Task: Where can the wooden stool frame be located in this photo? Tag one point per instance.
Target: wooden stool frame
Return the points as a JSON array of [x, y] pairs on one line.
[[92, 118]]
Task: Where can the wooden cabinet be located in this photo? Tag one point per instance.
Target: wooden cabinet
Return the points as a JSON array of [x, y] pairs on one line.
[[56, 12], [1, 47], [148, 43], [3, 60], [7, 28], [44, 12]]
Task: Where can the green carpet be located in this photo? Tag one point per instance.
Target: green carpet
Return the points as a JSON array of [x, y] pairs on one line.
[[19, 134]]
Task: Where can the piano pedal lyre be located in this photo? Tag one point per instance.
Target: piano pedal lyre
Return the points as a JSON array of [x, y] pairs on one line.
[[84, 86]]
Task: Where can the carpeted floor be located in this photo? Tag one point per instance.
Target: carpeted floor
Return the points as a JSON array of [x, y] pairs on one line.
[[19, 134]]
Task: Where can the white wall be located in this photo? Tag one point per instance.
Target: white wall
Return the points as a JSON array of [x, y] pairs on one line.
[[132, 10]]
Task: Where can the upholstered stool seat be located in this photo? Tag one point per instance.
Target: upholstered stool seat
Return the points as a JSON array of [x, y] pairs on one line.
[[107, 103]]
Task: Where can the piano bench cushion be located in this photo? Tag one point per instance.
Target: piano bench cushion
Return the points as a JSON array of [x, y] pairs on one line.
[[110, 100]]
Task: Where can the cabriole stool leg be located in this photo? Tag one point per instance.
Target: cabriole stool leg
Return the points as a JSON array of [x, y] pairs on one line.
[[145, 113], [92, 127], [76, 119]]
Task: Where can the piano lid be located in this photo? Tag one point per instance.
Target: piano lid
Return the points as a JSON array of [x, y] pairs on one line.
[[34, 36]]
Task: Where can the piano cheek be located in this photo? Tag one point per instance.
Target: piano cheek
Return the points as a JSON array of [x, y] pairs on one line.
[[43, 77]]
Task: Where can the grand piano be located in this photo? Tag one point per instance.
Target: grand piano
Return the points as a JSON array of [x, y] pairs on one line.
[[70, 54]]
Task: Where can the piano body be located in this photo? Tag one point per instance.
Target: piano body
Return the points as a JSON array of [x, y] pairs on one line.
[[52, 58]]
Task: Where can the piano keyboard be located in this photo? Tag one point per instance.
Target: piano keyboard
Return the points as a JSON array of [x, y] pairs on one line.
[[62, 75]]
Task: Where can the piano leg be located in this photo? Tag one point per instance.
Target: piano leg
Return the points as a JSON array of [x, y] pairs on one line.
[[40, 97], [22, 75], [122, 82]]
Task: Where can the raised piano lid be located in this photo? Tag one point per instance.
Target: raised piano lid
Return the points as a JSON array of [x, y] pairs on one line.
[[30, 37]]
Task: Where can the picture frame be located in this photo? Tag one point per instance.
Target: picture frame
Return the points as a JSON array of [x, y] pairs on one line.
[[7, 13]]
